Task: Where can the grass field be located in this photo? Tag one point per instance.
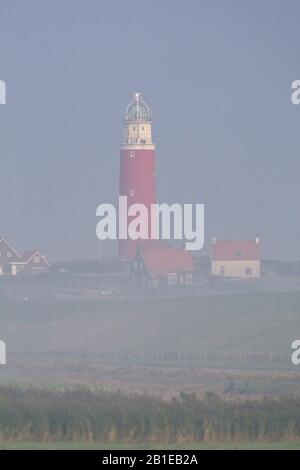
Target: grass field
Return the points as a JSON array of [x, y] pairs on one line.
[[195, 446], [223, 324], [239, 344]]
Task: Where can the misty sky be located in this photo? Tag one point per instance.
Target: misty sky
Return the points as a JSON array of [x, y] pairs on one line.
[[217, 75]]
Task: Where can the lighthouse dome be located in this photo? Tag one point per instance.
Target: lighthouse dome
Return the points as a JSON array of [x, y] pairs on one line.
[[138, 110]]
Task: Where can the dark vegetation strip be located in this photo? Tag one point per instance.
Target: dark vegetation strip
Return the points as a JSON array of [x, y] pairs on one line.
[[96, 416]]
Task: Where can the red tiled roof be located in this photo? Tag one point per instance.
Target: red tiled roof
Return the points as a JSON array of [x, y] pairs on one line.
[[233, 250], [163, 259]]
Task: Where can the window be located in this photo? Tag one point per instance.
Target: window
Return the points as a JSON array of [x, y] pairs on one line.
[[143, 141], [248, 271], [132, 192], [222, 271], [189, 278], [172, 279], [238, 253], [9, 254], [132, 154], [37, 259]]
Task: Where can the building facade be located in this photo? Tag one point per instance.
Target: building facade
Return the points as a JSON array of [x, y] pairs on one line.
[[160, 265], [12, 263], [236, 258], [9, 259]]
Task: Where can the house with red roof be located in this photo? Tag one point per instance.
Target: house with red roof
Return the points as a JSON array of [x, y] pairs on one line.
[[157, 264], [236, 258]]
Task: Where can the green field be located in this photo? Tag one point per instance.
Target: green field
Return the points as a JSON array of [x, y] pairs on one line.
[[238, 344], [195, 446], [211, 324]]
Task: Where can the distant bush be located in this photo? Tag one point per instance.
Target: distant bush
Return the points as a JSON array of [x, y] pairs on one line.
[[85, 415]]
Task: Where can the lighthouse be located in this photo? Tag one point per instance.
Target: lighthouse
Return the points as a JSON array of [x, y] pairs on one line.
[[137, 165]]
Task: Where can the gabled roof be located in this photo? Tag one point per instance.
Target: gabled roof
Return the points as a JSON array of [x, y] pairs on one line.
[[28, 255], [234, 250], [162, 259], [10, 247]]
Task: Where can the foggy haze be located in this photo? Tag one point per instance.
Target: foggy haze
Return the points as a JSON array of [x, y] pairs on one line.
[[218, 80]]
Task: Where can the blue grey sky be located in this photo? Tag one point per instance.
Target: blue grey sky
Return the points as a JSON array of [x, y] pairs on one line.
[[217, 75]]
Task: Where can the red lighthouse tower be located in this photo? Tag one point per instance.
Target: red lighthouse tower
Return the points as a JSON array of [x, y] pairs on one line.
[[137, 165]]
